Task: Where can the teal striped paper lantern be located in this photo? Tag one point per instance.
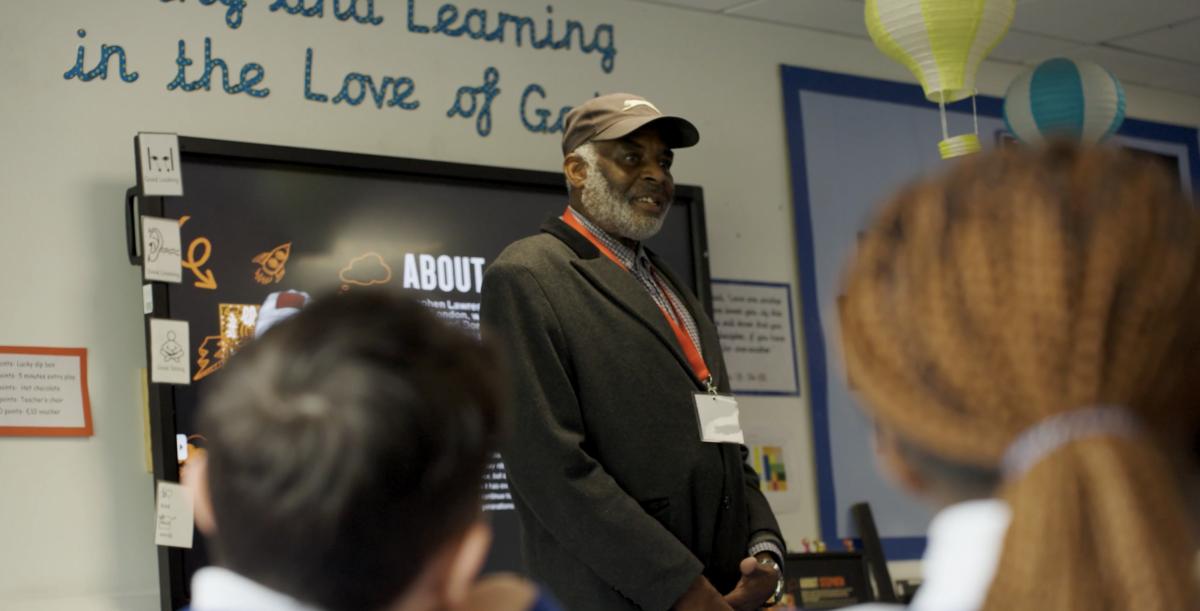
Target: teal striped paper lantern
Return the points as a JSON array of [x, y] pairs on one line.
[[1064, 98]]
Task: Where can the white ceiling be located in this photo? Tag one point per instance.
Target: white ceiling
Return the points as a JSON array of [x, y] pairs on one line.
[[1155, 43]]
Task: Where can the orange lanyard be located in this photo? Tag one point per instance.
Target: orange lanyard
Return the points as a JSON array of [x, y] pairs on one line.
[[690, 349]]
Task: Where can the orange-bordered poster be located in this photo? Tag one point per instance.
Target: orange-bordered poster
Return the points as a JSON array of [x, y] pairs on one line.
[[44, 392]]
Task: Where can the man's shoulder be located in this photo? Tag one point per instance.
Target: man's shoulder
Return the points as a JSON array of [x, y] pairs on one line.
[[535, 253]]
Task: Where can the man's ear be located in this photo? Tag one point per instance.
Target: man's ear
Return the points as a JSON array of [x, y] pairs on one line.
[[575, 168], [449, 574], [465, 564]]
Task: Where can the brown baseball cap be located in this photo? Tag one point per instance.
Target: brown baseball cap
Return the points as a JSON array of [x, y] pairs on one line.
[[616, 115]]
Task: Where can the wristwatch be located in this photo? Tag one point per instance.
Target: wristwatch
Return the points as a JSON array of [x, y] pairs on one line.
[[775, 599]]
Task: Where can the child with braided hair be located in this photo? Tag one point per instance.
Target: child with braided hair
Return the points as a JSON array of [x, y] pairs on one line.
[[1025, 331]]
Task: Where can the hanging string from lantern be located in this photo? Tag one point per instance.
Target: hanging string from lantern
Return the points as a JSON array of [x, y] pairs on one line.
[[974, 112], [942, 112]]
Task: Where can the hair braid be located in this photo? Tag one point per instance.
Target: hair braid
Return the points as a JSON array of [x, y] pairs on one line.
[[1023, 285]]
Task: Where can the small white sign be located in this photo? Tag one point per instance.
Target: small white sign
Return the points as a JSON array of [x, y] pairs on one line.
[[174, 519], [169, 343], [720, 421], [158, 164], [754, 321], [160, 249], [43, 390], [147, 299]]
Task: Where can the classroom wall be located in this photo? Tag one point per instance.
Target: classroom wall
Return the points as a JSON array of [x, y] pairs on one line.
[[76, 514]]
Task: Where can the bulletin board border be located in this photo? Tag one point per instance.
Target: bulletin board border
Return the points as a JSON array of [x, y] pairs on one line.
[[796, 80]]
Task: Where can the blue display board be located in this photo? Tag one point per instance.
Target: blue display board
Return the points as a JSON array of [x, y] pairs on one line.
[[853, 141]]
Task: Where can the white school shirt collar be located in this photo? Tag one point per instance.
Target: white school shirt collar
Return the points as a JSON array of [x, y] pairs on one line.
[[965, 541], [218, 589]]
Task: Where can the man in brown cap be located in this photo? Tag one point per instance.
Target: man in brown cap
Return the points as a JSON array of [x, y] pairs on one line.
[[624, 503]]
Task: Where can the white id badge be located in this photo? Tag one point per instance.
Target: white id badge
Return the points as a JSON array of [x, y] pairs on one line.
[[718, 415]]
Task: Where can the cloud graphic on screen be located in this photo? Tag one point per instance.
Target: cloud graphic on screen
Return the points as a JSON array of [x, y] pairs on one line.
[[366, 270]]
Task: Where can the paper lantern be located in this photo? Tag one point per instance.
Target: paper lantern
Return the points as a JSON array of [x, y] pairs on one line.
[[942, 42], [1065, 98]]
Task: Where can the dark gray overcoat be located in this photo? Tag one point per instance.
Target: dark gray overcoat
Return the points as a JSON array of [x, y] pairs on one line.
[[621, 505]]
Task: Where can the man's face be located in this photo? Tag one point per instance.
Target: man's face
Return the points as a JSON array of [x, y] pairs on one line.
[[631, 189]]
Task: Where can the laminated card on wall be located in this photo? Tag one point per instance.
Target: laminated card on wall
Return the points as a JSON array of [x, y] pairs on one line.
[[43, 392], [168, 352], [754, 320], [160, 249], [159, 170]]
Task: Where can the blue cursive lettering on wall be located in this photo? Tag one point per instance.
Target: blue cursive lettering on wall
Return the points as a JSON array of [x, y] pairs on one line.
[[317, 9], [474, 23], [543, 126], [297, 8], [390, 91], [107, 52], [475, 102], [413, 26], [233, 13], [482, 112], [308, 93], [250, 75]]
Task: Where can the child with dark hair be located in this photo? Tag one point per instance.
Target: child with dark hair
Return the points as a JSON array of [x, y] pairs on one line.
[[346, 448]]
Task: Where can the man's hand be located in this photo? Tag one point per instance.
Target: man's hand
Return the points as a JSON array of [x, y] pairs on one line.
[[755, 587], [701, 596]]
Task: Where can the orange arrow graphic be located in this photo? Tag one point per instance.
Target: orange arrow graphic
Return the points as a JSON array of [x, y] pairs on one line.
[[206, 280]]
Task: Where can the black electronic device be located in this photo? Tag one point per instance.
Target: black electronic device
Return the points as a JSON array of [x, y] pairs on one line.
[[257, 219], [864, 521], [824, 580]]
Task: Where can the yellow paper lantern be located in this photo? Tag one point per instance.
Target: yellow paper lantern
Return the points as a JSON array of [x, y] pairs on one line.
[[942, 42]]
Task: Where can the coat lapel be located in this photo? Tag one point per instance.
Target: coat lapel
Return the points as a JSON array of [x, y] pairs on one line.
[[622, 288]]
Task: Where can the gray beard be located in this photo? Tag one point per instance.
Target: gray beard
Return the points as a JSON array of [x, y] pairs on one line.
[[614, 214]]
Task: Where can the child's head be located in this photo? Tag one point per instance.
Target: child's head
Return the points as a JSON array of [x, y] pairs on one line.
[[1021, 286], [345, 453]]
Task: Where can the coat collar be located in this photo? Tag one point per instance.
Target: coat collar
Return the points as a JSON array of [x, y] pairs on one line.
[[624, 290], [576, 242]]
